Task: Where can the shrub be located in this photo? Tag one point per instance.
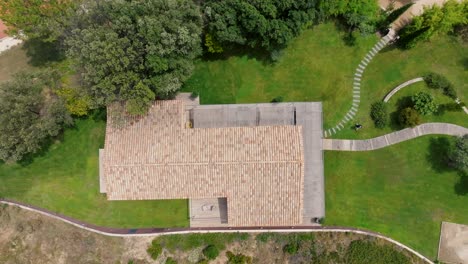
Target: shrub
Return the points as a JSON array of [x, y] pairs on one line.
[[436, 81], [396, 14], [450, 92], [424, 103], [360, 252], [459, 154], [379, 114], [171, 261], [238, 259], [194, 95], [291, 248], [452, 107], [154, 250], [409, 117], [277, 99], [211, 252]]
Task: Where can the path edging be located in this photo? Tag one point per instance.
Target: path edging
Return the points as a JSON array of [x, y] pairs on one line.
[[401, 86], [169, 231]]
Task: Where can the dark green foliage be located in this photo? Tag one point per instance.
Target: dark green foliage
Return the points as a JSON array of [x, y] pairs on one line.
[[211, 252], [434, 20], [397, 13], [203, 261], [452, 107], [360, 252], [136, 50], [264, 237], [194, 95], [45, 20], [436, 81], [409, 39], [277, 99], [450, 92], [459, 154], [291, 248], [267, 24], [190, 241], [424, 103], [379, 114], [171, 261], [238, 259], [357, 14], [408, 117], [155, 249], [30, 114]]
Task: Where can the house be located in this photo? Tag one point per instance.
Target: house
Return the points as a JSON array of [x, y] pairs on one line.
[[239, 165]]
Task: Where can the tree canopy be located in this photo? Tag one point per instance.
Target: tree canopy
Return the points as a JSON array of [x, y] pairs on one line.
[[268, 24], [360, 14], [435, 20], [30, 113], [136, 50], [37, 18], [459, 155]]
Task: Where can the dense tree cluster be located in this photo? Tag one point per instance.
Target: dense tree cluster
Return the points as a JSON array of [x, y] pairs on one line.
[[135, 50], [434, 20], [459, 154], [269, 24], [37, 18], [359, 14], [30, 113]]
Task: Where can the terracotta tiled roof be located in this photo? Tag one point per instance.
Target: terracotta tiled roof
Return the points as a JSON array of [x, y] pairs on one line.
[[258, 169]]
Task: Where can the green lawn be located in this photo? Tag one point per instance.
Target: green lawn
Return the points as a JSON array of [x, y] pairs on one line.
[[444, 54], [403, 191], [316, 66], [12, 61], [65, 180]]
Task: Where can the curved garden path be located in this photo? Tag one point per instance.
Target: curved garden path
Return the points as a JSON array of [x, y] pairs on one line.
[[394, 138], [120, 232], [401, 86], [357, 84]]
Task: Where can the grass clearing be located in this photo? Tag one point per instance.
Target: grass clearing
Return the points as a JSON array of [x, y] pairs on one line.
[[13, 61], [403, 191], [65, 179], [316, 66]]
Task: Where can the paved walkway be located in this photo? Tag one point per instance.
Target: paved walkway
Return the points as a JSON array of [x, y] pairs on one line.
[[394, 138], [120, 232], [401, 86], [357, 84]]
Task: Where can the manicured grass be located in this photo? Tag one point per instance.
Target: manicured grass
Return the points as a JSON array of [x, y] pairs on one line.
[[403, 191], [444, 54], [316, 66], [65, 179]]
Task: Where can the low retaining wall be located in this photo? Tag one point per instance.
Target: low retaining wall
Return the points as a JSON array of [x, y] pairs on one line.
[[401, 86], [122, 232]]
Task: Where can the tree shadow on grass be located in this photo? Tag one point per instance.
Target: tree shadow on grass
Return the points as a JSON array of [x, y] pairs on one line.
[[259, 54], [401, 103], [41, 53], [437, 156], [461, 187]]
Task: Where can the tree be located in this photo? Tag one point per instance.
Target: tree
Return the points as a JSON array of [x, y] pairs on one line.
[[409, 117], [359, 14], [211, 252], [436, 20], [395, 14], [136, 50], [155, 249], [379, 114], [30, 113], [38, 18], [459, 154], [424, 103], [267, 24]]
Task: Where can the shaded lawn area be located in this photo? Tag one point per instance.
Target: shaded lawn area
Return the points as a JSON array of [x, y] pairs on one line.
[[65, 180], [403, 191], [13, 61], [316, 66], [391, 67]]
